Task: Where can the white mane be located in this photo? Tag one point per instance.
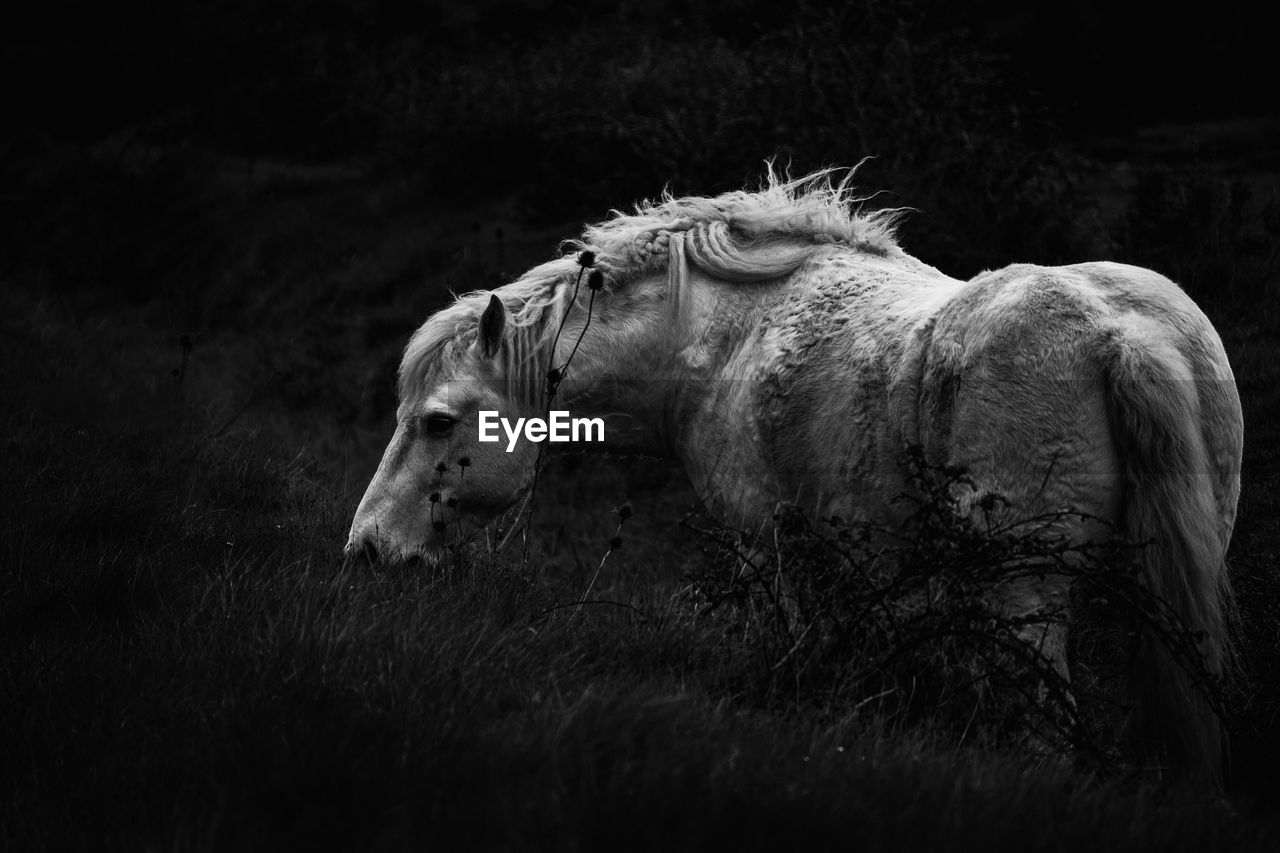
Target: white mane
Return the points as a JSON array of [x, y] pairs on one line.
[[738, 236]]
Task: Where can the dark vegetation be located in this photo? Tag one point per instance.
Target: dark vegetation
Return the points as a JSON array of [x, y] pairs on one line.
[[901, 619], [221, 222]]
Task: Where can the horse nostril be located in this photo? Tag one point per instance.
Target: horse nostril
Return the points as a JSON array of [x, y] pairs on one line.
[[363, 549]]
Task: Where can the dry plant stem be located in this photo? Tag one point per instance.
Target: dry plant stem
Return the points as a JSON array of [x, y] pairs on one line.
[[587, 592], [554, 378]]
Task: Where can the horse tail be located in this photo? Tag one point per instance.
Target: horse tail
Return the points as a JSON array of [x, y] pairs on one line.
[[1158, 417]]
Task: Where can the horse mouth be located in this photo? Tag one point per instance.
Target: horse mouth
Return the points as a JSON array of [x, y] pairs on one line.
[[368, 552]]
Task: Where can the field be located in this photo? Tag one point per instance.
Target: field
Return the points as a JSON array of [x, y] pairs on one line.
[[200, 321]]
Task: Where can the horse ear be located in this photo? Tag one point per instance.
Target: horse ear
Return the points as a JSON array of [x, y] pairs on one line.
[[492, 322]]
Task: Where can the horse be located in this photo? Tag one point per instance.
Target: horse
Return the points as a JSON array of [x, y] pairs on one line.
[[783, 347]]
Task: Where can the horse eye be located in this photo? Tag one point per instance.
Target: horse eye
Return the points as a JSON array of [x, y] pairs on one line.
[[438, 424]]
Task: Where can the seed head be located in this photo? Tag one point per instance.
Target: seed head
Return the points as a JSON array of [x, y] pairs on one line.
[[624, 512], [586, 258], [438, 526], [615, 543], [464, 462], [595, 281], [434, 497]]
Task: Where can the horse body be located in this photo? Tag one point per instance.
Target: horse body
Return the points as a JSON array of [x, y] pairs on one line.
[[809, 419], [784, 348]]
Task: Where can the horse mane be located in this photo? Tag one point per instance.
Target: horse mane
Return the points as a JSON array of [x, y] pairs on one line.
[[738, 236], [743, 236]]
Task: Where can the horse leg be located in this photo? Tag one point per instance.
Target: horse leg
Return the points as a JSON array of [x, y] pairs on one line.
[[1039, 608]]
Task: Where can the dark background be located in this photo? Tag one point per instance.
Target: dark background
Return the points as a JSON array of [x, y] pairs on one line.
[[1033, 122], [221, 221]]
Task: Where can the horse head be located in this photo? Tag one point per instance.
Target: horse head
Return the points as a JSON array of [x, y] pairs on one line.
[[437, 480]]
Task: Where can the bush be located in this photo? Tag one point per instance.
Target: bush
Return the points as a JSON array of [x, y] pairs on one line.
[[907, 621]]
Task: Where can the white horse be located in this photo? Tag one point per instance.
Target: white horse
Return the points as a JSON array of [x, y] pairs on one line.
[[782, 347]]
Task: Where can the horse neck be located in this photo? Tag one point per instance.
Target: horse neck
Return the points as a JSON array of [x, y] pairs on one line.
[[631, 367], [657, 370]]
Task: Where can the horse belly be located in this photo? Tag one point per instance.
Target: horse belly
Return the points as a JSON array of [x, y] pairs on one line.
[[834, 449]]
